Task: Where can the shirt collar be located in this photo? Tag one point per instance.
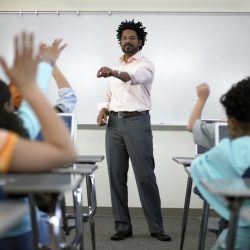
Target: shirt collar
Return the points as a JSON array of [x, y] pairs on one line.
[[136, 56]]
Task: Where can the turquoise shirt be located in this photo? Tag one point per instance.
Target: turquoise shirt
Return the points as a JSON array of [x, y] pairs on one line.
[[25, 112], [32, 125], [229, 159]]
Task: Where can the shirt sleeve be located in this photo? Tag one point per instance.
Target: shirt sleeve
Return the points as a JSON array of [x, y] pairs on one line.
[[142, 73], [67, 100], [204, 133], [25, 112], [105, 103], [7, 145]]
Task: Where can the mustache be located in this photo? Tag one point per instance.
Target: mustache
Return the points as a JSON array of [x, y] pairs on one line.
[[128, 44]]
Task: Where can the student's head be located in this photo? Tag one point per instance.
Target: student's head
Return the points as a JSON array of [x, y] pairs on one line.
[[131, 36], [237, 105], [8, 119]]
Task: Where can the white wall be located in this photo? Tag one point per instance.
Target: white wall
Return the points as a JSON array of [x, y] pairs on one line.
[[129, 5], [171, 177]]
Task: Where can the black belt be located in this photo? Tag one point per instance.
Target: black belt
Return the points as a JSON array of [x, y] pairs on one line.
[[124, 114]]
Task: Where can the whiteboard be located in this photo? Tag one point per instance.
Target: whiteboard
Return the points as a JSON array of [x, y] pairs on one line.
[[186, 48]]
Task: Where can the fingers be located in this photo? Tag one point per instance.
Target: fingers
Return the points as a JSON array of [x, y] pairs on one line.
[[24, 45], [56, 45], [104, 72], [99, 73], [29, 45]]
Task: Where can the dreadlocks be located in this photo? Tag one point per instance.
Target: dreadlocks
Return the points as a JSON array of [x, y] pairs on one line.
[[131, 25]]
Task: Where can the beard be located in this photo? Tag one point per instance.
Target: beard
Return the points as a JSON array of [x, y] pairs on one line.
[[130, 49]]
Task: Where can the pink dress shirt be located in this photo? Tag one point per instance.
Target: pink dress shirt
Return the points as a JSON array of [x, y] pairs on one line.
[[133, 95]]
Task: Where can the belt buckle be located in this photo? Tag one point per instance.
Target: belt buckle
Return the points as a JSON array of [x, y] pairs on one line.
[[119, 114]]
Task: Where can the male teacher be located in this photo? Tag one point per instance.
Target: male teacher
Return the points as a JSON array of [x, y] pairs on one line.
[[128, 133]]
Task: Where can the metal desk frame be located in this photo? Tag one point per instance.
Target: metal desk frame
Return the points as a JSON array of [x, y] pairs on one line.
[[236, 191], [56, 184], [87, 164], [186, 162]]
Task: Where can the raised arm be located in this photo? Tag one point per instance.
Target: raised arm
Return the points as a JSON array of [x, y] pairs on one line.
[[57, 149], [202, 91]]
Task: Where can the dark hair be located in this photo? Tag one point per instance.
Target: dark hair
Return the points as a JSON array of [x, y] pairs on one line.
[[9, 120], [237, 101], [5, 94], [131, 25]]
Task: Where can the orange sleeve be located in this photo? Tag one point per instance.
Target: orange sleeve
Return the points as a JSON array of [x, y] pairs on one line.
[[7, 145], [16, 96]]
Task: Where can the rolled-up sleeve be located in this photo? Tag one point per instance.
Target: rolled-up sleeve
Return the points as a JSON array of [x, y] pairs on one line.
[[67, 100], [141, 73], [204, 134]]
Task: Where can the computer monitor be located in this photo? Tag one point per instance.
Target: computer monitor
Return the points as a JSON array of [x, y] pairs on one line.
[[200, 149], [221, 131], [70, 122]]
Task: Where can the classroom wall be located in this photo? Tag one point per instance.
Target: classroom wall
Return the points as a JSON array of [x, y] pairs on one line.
[[171, 177], [129, 5], [167, 144]]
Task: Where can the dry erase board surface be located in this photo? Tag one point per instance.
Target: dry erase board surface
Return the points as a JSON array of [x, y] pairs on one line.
[[186, 48]]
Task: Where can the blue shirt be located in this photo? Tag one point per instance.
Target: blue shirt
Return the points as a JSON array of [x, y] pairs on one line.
[[25, 112], [229, 159], [67, 100]]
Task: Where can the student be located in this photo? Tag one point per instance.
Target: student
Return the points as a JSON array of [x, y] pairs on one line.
[[203, 132], [229, 159], [67, 98], [128, 133], [18, 154]]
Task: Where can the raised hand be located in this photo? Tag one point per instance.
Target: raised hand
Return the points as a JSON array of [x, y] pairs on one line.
[[51, 53], [23, 71], [203, 91]]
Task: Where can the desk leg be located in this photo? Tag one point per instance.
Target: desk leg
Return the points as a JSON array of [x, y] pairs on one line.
[[203, 226], [186, 210], [77, 199], [55, 218], [234, 206], [65, 224], [91, 194], [35, 237]]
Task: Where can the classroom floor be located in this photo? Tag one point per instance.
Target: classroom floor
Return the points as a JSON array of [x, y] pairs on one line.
[[141, 239]]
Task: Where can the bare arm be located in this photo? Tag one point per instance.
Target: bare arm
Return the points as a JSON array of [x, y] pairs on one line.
[[202, 93], [60, 79], [57, 148]]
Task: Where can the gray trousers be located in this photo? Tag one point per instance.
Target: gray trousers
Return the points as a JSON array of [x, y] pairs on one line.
[[131, 137]]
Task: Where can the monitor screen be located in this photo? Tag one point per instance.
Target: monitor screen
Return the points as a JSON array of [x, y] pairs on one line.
[[221, 131], [69, 121]]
